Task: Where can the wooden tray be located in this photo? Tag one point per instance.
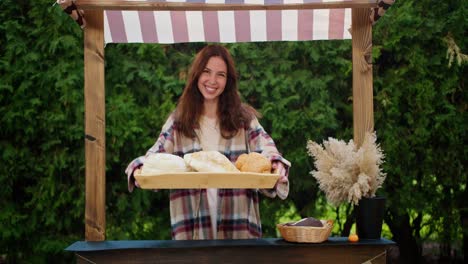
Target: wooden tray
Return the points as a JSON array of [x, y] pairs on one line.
[[202, 180]]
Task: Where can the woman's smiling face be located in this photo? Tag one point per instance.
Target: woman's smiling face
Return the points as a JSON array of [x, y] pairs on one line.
[[213, 78]]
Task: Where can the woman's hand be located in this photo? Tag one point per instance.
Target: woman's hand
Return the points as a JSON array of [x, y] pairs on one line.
[[137, 171], [278, 167]]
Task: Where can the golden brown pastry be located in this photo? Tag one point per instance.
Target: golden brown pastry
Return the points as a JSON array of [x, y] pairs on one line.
[[209, 161], [253, 162]]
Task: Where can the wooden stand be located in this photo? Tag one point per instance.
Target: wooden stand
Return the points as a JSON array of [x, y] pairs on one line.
[[95, 145], [269, 250]]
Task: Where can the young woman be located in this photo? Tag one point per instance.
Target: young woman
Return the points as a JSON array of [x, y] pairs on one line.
[[211, 116]]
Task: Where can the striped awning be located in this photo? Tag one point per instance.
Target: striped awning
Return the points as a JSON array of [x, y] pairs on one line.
[[175, 25]]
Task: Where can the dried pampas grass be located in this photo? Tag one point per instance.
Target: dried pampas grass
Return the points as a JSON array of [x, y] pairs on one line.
[[346, 173]]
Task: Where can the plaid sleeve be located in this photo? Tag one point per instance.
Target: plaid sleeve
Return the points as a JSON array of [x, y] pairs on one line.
[[281, 190], [261, 142], [164, 144]]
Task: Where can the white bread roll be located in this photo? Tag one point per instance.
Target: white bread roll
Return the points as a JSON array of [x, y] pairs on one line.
[[209, 161], [163, 162]]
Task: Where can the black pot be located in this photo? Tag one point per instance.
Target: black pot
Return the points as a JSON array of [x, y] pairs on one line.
[[369, 217]]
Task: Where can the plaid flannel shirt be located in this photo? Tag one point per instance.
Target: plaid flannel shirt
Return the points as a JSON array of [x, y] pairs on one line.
[[238, 209]]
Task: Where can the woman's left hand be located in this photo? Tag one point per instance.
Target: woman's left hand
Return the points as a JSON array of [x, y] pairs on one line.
[[278, 167]]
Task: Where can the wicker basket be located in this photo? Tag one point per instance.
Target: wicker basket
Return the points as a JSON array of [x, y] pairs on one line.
[[306, 234]]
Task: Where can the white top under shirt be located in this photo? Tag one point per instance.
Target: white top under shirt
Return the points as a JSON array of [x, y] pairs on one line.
[[209, 138]]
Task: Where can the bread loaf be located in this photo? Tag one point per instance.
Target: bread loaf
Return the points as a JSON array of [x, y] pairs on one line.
[[253, 162], [309, 221], [209, 161], [163, 162]]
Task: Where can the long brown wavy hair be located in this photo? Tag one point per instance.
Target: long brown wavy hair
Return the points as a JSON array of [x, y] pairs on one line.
[[232, 113]]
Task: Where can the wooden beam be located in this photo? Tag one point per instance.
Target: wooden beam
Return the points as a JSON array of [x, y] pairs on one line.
[[151, 5], [95, 145], [363, 106]]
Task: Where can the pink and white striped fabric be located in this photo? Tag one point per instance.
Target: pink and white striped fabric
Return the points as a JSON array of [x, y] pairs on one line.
[[226, 26]]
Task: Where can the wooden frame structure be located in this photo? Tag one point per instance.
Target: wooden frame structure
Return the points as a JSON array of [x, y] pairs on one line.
[[95, 145], [145, 5]]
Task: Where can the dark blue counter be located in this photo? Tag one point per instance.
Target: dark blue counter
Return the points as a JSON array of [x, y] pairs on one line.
[[267, 250]]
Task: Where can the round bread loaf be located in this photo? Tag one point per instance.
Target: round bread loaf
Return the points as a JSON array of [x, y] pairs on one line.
[[209, 161], [253, 162], [163, 162], [309, 221]]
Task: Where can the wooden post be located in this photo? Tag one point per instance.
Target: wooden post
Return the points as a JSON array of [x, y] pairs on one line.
[[363, 106], [95, 145]]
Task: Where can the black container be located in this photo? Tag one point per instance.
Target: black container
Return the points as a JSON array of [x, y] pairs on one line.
[[369, 217]]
